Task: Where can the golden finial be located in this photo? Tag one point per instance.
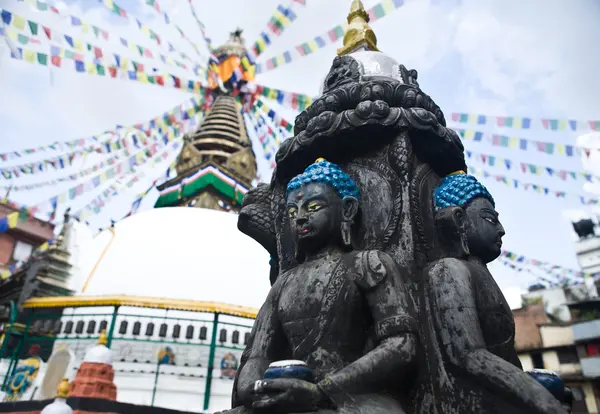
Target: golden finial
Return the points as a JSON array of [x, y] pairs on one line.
[[457, 172], [319, 160], [359, 33], [63, 389], [102, 340]]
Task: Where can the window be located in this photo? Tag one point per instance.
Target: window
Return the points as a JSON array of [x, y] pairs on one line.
[[568, 356], [537, 360], [22, 251]]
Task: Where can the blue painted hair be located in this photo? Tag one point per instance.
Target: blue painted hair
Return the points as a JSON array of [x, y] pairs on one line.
[[328, 173], [458, 189]]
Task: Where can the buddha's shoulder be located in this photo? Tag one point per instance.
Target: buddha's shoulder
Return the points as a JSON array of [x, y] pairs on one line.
[[370, 267]]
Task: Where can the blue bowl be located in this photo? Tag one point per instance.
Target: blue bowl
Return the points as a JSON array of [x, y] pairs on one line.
[[296, 371]]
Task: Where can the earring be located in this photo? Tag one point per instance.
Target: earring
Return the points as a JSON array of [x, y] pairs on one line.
[[346, 228]]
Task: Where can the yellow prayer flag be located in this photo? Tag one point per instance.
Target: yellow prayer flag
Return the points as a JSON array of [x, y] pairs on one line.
[[388, 6], [139, 158], [472, 118], [562, 124], [124, 63], [145, 30], [5, 274], [272, 95], [78, 44], [43, 247], [109, 3], [12, 35], [517, 123], [13, 219], [513, 142], [469, 134], [29, 56], [18, 22], [90, 68], [142, 77], [85, 28], [313, 45]]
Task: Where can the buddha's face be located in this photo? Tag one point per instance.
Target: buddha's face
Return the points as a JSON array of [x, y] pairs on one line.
[[484, 230], [315, 212]]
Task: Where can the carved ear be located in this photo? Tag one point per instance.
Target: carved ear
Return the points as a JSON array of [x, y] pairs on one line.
[[349, 208], [450, 224]]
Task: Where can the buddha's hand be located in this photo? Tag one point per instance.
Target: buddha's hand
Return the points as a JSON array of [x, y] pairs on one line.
[[288, 395]]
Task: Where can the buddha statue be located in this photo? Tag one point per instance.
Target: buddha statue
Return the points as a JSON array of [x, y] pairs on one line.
[[344, 313], [474, 368]]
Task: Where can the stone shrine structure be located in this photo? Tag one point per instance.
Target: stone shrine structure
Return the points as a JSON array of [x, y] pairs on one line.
[[95, 376], [379, 252]]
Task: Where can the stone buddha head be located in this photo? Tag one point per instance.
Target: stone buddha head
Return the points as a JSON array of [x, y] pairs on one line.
[[322, 204], [483, 228]]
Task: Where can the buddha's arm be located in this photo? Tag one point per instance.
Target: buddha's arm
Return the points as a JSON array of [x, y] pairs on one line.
[[395, 329], [267, 344], [456, 321]]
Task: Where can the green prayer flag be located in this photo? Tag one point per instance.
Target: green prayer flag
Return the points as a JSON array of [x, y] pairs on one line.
[[100, 70], [89, 46], [42, 58], [378, 11], [22, 39], [69, 54], [33, 27], [96, 30], [23, 214], [151, 79], [140, 49]]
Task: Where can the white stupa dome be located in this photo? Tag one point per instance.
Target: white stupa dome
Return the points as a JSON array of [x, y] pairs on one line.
[[99, 354], [177, 253], [58, 406]]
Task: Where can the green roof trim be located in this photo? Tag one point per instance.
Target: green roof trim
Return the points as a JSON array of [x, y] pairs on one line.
[[192, 185]]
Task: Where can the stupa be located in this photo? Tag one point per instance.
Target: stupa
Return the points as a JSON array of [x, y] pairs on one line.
[[95, 376]]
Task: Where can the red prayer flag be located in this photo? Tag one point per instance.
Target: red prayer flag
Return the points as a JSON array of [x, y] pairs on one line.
[[48, 32], [113, 71], [160, 80], [98, 52], [545, 123], [55, 61]]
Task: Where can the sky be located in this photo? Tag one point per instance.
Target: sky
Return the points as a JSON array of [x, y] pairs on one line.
[[537, 59]]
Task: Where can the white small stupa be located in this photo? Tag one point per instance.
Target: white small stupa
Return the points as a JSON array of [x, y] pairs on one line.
[[59, 405]]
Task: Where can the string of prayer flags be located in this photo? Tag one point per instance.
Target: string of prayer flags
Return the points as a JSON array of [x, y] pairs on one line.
[[376, 12], [138, 139], [12, 220], [163, 120], [524, 144], [98, 203], [276, 118], [100, 33], [200, 26], [125, 167], [495, 161], [278, 22], [154, 4], [290, 99], [261, 134], [557, 279], [97, 69], [518, 258], [511, 182], [525, 122]]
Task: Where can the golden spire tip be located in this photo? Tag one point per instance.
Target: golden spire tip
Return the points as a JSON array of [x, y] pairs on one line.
[[359, 34], [103, 340], [63, 389]]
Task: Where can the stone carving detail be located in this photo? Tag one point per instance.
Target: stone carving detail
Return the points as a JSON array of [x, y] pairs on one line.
[[404, 264], [344, 70]]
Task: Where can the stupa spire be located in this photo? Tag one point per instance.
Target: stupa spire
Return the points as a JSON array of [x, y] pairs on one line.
[[359, 35]]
